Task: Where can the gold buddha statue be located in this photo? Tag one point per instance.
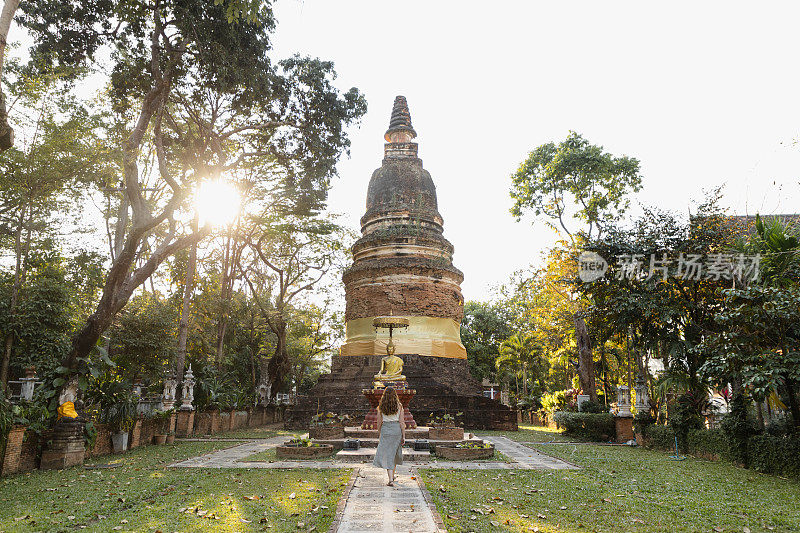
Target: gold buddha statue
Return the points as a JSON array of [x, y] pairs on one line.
[[391, 367]]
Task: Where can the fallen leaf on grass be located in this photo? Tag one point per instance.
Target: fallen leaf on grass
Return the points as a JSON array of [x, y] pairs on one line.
[[495, 523], [256, 497], [292, 496]]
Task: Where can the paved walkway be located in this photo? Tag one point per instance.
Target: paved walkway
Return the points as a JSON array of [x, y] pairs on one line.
[[372, 506], [527, 458]]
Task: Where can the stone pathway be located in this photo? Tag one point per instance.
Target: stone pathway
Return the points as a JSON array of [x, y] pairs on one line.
[[372, 506], [527, 458]]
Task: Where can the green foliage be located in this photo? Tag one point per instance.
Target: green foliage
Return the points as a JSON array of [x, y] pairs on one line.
[[556, 176], [561, 400], [330, 419], [598, 427], [775, 455], [143, 337], [685, 416], [738, 427], [592, 407], [658, 436], [112, 398], [484, 327]]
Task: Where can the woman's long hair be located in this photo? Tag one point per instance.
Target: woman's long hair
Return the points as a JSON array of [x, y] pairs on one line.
[[390, 404]]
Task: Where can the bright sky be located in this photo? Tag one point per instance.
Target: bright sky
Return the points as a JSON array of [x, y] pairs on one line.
[[702, 93]]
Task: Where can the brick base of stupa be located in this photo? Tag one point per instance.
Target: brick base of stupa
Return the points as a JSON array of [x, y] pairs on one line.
[[443, 385]]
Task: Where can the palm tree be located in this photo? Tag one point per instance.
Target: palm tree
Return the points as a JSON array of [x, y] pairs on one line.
[[517, 352]]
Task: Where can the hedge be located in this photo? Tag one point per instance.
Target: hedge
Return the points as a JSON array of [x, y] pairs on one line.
[[775, 455], [709, 443], [598, 427]]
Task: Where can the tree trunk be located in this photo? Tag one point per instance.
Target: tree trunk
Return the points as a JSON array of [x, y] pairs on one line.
[[6, 16], [183, 325], [794, 407], [525, 380], [585, 362], [278, 367], [19, 265]]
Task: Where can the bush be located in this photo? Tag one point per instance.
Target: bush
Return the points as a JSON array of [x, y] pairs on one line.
[[707, 442], [686, 417], [592, 407], [703, 442], [660, 437], [775, 455], [591, 426], [738, 427]]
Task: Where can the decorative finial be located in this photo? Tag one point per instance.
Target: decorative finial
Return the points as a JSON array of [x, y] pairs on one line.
[[400, 129]]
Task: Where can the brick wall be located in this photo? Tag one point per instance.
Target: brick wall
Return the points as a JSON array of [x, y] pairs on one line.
[[13, 450], [102, 444]]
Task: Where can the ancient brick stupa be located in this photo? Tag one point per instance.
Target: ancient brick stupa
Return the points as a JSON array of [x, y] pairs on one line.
[[402, 266]]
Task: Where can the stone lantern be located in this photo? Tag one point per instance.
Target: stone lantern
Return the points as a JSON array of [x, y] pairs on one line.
[[187, 394], [28, 383], [642, 396], [170, 389], [624, 401]]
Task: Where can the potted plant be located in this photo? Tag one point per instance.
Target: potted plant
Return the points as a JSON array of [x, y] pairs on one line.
[[444, 427], [328, 426], [303, 449], [163, 416], [170, 437], [120, 418], [465, 451]]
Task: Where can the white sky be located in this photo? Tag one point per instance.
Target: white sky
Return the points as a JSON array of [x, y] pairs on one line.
[[702, 93]]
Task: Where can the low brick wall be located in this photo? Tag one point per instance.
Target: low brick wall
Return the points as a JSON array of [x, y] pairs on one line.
[[102, 444], [303, 452], [446, 433], [463, 454], [23, 454]]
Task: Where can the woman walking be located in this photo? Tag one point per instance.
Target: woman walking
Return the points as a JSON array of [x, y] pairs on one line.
[[392, 431]]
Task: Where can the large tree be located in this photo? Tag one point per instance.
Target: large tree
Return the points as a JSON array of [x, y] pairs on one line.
[[202, 98], [575, 179]]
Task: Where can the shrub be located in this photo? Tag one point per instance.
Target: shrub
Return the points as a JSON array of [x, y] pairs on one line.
[[775, 455], [592, 407], [660, 437], [738, 428], [708, 442], [686, 417], [591, 426]]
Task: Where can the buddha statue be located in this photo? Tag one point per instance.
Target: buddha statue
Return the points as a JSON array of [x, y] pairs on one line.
[[391, 367]]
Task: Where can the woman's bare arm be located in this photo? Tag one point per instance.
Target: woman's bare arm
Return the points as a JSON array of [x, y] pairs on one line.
[[380, 421], [402, 425]]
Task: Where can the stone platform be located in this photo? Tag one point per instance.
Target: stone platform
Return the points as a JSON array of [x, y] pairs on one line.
[[443, 385], [368, 454], [368, 438]]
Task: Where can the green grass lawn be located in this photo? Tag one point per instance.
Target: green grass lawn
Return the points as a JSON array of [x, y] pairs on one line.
[[527, 434], [619, 489], [142, 494]]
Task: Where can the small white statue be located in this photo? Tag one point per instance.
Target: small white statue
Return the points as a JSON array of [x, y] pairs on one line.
[[187, 394]]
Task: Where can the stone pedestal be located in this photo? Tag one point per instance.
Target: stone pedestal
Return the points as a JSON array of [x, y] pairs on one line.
[[184, 426], [65, 446], [373, 396], [624, 426]]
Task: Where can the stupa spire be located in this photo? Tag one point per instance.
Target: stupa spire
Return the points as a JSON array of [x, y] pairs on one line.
[[400, 129]]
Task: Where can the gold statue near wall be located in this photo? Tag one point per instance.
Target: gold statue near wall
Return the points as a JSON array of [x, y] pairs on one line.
[[391, 368]]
